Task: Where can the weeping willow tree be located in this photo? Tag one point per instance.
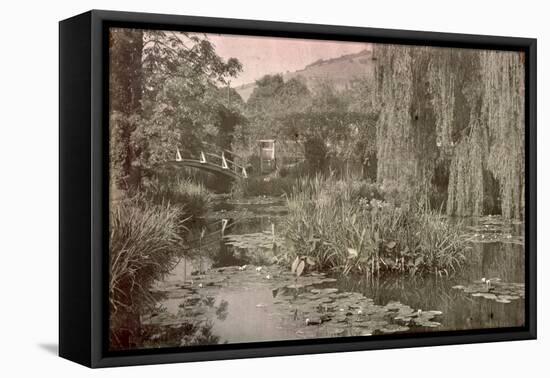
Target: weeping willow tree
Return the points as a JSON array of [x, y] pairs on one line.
[[491, 150], [406, 128], [460, 109]]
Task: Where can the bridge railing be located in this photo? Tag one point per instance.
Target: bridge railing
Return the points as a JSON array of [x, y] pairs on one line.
[[225, 163], [219, 160]]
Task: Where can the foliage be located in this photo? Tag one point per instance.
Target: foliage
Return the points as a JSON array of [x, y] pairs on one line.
[[164, 53], [193, 199], [272, 99], [316, 154], [504, 109], [492, 147], [325, 123], [463, 108], [164, 91], [123, 151], [406, 137], [329, 222]]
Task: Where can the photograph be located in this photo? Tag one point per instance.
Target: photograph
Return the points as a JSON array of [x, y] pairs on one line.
[[266, 189]]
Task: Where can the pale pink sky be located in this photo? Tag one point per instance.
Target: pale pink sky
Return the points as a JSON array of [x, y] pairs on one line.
[[266, 55]]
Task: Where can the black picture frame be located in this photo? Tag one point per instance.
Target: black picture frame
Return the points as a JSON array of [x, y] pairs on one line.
[[83, 181]]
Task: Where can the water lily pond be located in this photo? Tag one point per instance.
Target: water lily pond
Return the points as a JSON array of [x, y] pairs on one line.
[[236, 292]]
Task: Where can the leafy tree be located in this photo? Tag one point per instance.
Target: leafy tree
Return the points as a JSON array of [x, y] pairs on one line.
[[165, 94], [271, 99]]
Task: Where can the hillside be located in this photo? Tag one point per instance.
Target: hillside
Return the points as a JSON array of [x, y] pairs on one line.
[[340, 71]]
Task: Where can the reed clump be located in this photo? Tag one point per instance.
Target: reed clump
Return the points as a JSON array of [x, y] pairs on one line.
[[145, 241], [192, 198], [331, 222]]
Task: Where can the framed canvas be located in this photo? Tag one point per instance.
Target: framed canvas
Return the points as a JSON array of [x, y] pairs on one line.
[[234, 188]]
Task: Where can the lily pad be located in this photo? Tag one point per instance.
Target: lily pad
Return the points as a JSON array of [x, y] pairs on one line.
[[303, 303], [493, 229], [393, 328], [501, 292]]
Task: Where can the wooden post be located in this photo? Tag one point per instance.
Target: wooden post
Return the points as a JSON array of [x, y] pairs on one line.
[[261, 159], [224, 162]]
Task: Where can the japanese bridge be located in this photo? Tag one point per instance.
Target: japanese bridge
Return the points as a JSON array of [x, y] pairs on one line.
[[214, 163]]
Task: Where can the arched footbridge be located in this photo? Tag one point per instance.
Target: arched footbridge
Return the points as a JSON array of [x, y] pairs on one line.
[[217, 163]]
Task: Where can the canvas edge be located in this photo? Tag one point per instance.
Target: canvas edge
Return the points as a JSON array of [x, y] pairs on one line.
[[75, 338], [99, 188]]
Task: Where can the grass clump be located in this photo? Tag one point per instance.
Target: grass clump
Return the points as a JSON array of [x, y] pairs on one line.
[[335, 224], [192, 198], [145, 242]]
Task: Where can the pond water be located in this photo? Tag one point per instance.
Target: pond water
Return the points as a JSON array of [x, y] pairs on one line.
[[233, 291]]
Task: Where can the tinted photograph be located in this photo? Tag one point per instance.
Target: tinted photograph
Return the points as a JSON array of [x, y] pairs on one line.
[[269, 189]]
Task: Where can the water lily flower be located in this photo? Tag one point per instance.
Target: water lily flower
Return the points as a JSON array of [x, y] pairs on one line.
[[200, 285], [259, 269], [313, 321], [268, 277]]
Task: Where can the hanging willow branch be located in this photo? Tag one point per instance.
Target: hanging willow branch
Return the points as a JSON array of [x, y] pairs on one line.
[[466, 192], [492, 147], [504, 112], [442, 88], [406, 125], [466, 106]]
